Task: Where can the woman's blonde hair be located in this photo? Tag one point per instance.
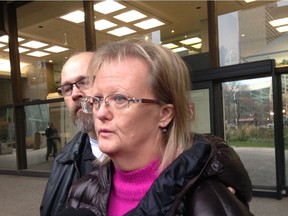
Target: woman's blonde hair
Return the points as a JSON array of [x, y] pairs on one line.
[[170, 81]]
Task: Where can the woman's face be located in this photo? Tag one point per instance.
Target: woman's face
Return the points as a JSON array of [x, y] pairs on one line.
[[131, 135]]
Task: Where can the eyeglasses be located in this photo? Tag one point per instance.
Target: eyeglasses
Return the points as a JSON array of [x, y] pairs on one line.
[[114, 101], [84, 83]]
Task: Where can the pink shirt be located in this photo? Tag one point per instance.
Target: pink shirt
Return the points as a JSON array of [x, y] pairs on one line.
[[130, 187]]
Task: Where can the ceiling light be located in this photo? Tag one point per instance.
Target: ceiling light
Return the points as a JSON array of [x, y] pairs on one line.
[[190, 41], [2, 45], [56, 49], [130, 16], [192, 52], [38, 54], [282, 29], [170, 45], [121, 31], [180, 49], [148, 24], [281, 3], [279, 22], [103, 24], [34, 44], [248, 1], [76, 16], [5, 65], [108, 6], [5, 39], [197, 46], [21, 50]]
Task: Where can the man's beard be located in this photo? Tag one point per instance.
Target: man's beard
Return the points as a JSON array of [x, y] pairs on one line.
[[83, 121]]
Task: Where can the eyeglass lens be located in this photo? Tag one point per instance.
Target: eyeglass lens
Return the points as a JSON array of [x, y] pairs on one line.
[[117, 101], [67, 89]]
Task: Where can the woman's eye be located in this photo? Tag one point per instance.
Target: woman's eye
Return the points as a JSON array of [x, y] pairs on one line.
[[120, 99]]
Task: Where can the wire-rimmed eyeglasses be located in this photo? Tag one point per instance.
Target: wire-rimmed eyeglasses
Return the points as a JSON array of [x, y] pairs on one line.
[[114, 101], [66, 89]]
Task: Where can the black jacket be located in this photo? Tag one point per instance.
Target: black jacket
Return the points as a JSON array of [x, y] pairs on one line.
[[195, 183], [74, 161]]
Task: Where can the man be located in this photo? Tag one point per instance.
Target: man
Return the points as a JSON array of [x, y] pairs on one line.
[[52, 136], [76, 158]]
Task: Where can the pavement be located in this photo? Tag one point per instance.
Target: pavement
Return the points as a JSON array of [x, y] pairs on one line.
[[21, 196]]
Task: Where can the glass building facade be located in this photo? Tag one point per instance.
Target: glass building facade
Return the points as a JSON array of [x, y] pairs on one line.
[[237, 53]]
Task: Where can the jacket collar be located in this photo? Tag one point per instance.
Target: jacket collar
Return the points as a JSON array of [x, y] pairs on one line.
[[167, 188], [79, 146]]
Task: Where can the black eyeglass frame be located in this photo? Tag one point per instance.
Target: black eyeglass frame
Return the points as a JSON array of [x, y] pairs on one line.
[[60, 91]]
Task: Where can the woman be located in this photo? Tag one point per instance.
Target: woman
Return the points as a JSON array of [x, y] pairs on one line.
[[156, 165]]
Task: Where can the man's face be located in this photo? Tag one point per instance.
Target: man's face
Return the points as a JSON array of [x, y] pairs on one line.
[[75, 71]]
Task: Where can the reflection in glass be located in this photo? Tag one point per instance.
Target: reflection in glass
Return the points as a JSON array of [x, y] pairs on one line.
[[284, 79], [249, 126], [38, 117], [253, 39], [7, 139], [200, 108]]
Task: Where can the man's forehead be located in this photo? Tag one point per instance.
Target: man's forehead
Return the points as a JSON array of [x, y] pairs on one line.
[[75, 68], [72, 79]]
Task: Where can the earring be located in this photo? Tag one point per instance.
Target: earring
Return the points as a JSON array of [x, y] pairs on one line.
[[164, 130]]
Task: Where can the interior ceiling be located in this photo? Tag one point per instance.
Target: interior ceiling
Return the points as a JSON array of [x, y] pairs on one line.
[[39, 20]]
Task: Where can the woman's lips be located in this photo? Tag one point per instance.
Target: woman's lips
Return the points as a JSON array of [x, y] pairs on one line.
[[104, 132]]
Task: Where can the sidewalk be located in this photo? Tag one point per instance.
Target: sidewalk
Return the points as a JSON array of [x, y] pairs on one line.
[[21, 196]]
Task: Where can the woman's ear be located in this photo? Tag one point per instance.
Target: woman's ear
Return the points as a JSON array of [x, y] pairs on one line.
[[166, 115]]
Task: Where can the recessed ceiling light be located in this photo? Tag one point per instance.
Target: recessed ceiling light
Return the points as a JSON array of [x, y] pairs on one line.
[[282, 3], [34, 44], [75, 16], [21, 50], [180, 49], [103, 24], [5, 39], [121, 31], [282, 29], [190, 41], [148, 24], [5, 65], [170, 45], [279, 22], [197, 46], [56, 49], [38, 54], [130, 16], [108, 6]]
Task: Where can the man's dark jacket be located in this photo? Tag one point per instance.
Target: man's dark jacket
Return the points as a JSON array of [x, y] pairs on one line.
[[74, 161]]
